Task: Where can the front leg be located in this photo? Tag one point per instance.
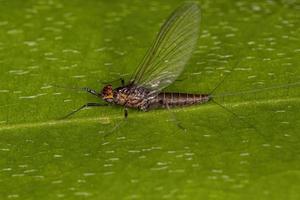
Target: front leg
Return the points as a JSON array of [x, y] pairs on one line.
[[82, 107], [91, 91]]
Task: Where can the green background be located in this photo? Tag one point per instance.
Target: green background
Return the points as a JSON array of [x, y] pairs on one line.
[[85, 43]]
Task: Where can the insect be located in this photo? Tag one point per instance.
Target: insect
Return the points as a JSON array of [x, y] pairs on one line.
[[160, 67], [162, 64]]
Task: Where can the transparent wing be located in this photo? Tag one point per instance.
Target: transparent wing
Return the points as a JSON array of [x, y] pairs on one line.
[[171, 50]]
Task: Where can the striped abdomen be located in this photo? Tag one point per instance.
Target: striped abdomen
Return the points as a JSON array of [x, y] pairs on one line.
[[166, 99]]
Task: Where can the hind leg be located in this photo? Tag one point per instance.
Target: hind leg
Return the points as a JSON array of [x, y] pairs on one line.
[[177, 122], [119, 123]]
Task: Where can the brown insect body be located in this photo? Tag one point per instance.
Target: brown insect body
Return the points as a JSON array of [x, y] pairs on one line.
[[168, 99], [143, 99], [160, 67], [163, 63]]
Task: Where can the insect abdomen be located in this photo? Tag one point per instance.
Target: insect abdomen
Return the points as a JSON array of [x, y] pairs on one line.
[[167, 99]]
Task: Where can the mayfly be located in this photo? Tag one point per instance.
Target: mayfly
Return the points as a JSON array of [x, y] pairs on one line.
[[162, 64], [160, 67]]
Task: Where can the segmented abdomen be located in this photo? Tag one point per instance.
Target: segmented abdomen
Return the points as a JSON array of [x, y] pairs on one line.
[[166, 99], [141, 98]]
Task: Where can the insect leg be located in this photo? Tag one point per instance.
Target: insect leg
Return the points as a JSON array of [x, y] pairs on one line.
[[175, 118], [122, 81], [119, 79], [86, 89], [91, 91], [125, 113], [119, 123], [82, 107]]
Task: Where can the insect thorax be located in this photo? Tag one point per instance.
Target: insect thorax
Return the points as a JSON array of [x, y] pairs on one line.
[[133, 97]]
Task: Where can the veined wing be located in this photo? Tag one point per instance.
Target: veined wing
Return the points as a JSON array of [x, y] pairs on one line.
[[171, 50]]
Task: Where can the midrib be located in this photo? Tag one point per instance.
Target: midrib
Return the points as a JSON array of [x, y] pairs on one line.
[[106, 120]]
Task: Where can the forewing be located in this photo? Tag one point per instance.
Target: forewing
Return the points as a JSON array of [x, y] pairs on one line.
[[171, 50]]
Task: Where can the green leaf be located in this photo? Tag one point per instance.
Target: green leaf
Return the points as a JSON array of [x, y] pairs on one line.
[[97, 154]]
